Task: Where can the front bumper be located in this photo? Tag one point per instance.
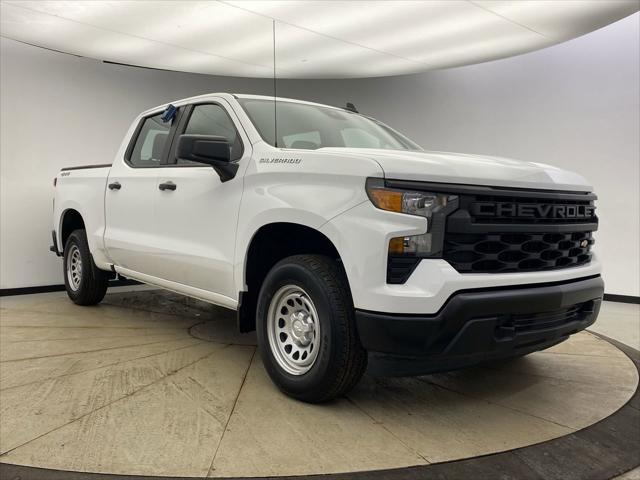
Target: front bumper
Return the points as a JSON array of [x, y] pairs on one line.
[[479, 325]]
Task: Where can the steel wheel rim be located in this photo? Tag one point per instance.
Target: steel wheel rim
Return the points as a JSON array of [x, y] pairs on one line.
[[74, 268], [293, 329]]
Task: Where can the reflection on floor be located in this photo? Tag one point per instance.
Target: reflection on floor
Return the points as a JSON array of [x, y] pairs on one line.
[[153, 383]]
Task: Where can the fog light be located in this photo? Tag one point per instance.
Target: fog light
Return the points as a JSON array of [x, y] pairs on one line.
[[413, 245]]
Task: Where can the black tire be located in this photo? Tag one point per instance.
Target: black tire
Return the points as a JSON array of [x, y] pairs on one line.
[[341, 360], [93, 282]]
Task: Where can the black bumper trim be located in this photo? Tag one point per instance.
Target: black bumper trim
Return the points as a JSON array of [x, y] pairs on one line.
[[479, 325]]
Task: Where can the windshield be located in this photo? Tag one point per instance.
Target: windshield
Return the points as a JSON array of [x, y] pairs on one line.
[[310, 127]]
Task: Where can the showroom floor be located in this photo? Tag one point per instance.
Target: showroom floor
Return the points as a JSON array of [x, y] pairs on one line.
[[152, 383]]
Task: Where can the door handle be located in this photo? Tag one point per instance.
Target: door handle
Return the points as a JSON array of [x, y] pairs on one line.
[[167, 186], [115, 186]]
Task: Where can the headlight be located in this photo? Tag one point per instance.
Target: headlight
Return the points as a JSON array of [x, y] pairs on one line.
[[423, 204], [433, 206]]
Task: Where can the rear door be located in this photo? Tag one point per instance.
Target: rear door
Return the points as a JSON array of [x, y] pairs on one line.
[[131, 195], [197, 218]]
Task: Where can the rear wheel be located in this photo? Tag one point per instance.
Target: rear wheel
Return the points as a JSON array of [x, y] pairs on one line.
[[85, 283], [306, 329]]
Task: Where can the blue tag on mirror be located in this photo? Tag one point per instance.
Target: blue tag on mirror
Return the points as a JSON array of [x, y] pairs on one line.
[[169, 113]]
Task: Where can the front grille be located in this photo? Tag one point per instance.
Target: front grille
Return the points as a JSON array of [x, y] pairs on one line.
[[516, 252], [511, 325], [502, 230]]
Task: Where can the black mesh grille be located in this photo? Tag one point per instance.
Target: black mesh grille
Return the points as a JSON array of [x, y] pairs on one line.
[[520, 231], [516, 252]]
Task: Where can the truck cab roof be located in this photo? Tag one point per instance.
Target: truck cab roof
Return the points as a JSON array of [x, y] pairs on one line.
[[231, 97]]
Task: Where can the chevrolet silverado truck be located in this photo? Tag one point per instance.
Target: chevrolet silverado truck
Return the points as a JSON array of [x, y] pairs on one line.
[[340, 241]]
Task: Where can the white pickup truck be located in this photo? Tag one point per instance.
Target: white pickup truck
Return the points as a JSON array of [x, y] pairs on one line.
[[339, 240]]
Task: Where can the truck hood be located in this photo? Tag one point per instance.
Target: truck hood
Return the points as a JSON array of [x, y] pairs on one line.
[[461, 168]]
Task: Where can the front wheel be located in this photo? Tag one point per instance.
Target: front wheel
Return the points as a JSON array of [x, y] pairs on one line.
[[85, 283], [306, 329]]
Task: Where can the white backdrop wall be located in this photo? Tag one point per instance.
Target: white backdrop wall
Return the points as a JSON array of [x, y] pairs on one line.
[[574, 105], [58, 110]]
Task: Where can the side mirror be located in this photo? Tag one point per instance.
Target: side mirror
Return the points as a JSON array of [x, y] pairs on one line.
[[210, 150]]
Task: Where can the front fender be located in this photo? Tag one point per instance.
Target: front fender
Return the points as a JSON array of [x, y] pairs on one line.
[[248, 231], [304, 187]]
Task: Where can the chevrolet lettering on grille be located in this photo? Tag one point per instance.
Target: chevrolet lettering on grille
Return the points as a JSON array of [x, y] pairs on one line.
[[531, 210]]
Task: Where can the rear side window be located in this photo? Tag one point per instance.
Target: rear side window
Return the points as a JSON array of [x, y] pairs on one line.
[[151, 142], [212, 119]]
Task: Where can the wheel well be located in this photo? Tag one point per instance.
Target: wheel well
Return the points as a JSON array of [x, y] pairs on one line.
[[269, 245], [72, 220]]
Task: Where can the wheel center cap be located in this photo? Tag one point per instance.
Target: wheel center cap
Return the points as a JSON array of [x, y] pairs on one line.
[[301, 328]]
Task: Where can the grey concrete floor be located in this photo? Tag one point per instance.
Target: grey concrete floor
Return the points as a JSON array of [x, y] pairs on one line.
[[620, 321], [153, 383]]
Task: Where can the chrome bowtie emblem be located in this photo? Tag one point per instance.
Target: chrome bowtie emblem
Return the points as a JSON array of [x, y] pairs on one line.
[[584, 243]]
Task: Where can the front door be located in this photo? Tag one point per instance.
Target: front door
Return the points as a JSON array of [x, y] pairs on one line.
[[197, 215]]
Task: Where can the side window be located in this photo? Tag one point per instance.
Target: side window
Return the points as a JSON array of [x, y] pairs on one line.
[[211, 119], [150, 144]]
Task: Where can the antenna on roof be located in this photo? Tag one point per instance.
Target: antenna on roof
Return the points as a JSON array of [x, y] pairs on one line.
[[275, 91], [351, 107]]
